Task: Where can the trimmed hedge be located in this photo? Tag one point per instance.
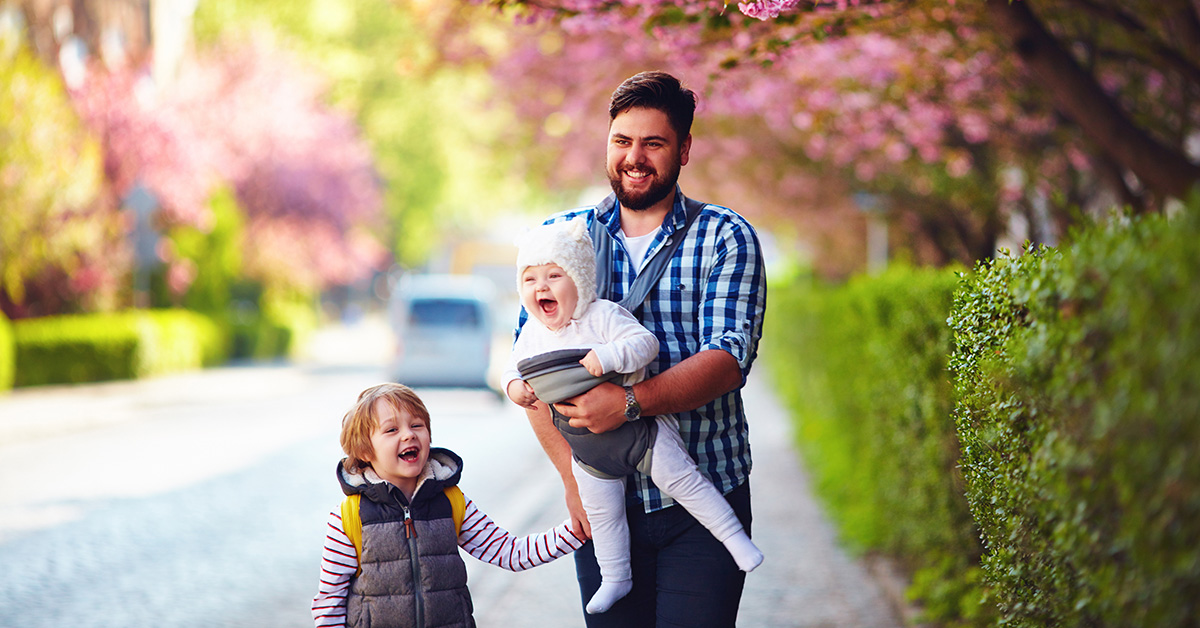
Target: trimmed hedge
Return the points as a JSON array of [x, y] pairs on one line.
[[126, 345], [6, 354], [276, 334], [1078, 380], [863, 369]]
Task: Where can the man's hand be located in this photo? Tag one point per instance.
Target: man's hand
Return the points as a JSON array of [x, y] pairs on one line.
[[579, 521], [560, 455], [599, 410]]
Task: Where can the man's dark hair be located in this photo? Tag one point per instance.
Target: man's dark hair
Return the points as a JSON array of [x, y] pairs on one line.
[[657, 90]]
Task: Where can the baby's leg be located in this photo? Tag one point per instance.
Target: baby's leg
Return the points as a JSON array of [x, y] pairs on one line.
[[676, 474], [604, 501]]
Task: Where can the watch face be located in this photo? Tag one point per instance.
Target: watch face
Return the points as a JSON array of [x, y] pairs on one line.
[[631, 412]]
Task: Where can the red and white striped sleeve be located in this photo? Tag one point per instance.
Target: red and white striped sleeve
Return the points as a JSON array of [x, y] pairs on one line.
[[488, 542], [339, 562]]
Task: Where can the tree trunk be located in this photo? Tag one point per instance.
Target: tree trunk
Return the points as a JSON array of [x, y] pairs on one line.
[[1161, 168]]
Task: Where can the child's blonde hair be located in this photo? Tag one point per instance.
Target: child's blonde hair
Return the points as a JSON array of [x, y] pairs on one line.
[[362, 420]]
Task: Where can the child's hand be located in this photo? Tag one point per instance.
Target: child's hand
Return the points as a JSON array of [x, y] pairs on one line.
[[521, 393], [592, 364]]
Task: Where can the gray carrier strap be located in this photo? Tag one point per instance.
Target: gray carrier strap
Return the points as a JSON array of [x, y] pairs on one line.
[[653, 270], [558, 375]]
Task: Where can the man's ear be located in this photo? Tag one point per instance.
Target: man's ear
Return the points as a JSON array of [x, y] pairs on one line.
[[684, 149]]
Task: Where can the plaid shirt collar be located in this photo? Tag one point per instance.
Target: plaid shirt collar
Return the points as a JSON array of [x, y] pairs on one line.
[[674, 221]]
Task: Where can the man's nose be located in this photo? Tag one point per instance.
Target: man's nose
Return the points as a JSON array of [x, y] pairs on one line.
[[635, 155]]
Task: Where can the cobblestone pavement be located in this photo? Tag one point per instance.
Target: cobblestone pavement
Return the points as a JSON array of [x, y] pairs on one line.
[[806, 581]]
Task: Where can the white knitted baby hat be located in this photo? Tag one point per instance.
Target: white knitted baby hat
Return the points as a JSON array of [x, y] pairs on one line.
[[567, 244]]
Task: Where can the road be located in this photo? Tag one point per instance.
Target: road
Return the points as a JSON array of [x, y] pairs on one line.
[[199, 500]]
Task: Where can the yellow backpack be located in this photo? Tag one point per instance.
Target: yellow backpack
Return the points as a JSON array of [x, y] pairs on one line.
[[352, 521]]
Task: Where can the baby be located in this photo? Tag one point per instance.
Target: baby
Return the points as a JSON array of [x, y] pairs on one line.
[[556, 279]]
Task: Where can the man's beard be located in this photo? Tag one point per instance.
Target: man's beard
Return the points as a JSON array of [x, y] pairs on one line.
[[660, 188]]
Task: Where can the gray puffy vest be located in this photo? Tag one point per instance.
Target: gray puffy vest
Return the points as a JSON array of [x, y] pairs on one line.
[[412, 574]]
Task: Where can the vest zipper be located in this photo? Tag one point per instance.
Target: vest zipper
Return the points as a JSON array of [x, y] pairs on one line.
[[410, 533]]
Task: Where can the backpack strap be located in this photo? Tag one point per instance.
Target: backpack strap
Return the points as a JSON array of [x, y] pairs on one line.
[[352, 524], [654, 268], [458, 507]]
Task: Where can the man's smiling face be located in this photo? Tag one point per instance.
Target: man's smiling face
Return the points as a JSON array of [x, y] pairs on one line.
[[400, 446], [644, 157], [549, 295]]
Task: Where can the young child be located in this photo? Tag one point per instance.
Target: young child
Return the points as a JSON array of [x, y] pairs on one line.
[[391, 552], [556, 272]]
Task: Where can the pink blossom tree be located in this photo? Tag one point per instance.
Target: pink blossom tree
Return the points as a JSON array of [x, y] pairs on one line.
[[924, 101], [253, 117], [302, 172]]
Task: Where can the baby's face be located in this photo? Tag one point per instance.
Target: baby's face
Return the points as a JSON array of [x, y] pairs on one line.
[[549, 295]]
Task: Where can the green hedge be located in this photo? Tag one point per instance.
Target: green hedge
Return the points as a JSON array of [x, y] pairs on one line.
[[278, 333], [863, 368], [6, 354], [1078, 378], [127, 345]]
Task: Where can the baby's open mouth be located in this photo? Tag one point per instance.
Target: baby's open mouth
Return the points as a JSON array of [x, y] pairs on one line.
[[409, 455], [548, 305]]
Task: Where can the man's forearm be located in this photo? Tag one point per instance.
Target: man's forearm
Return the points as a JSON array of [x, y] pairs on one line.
[[690, 384], [552, 442], [559, 453]]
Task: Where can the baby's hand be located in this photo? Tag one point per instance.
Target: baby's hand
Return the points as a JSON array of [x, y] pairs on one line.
[[521, 393], [592, 363]]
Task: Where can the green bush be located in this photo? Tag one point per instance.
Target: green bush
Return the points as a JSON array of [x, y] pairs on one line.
[[214, 252], [263, 328], [1078, 380], [255, 337], [126, 345], [6, 354], [863, 369]]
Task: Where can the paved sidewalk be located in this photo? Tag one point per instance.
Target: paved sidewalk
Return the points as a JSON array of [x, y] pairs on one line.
[[807, 579]]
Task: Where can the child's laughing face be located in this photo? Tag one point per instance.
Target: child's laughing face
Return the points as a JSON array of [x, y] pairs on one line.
[[549, 295], [400, 446]]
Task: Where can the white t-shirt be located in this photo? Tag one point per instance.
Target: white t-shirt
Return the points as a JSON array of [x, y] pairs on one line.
[[637, 246]]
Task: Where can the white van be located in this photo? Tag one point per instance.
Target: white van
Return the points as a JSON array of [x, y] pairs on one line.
[[444, 332]]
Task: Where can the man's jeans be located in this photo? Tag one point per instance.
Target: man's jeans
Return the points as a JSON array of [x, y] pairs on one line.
[[682, 576]]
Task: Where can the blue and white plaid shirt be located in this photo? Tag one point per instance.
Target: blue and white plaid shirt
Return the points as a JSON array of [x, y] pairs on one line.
[[711, 296]]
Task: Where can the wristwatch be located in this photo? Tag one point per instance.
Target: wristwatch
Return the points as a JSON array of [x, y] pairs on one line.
[[633, 409]]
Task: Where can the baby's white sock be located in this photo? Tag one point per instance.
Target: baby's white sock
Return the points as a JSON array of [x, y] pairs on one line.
[[608, 594], [745, 553]]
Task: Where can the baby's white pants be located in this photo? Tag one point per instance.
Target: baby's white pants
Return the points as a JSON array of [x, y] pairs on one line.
[[676, 475]]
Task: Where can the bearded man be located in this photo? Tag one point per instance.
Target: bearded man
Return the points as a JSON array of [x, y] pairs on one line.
[[706, 310]]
